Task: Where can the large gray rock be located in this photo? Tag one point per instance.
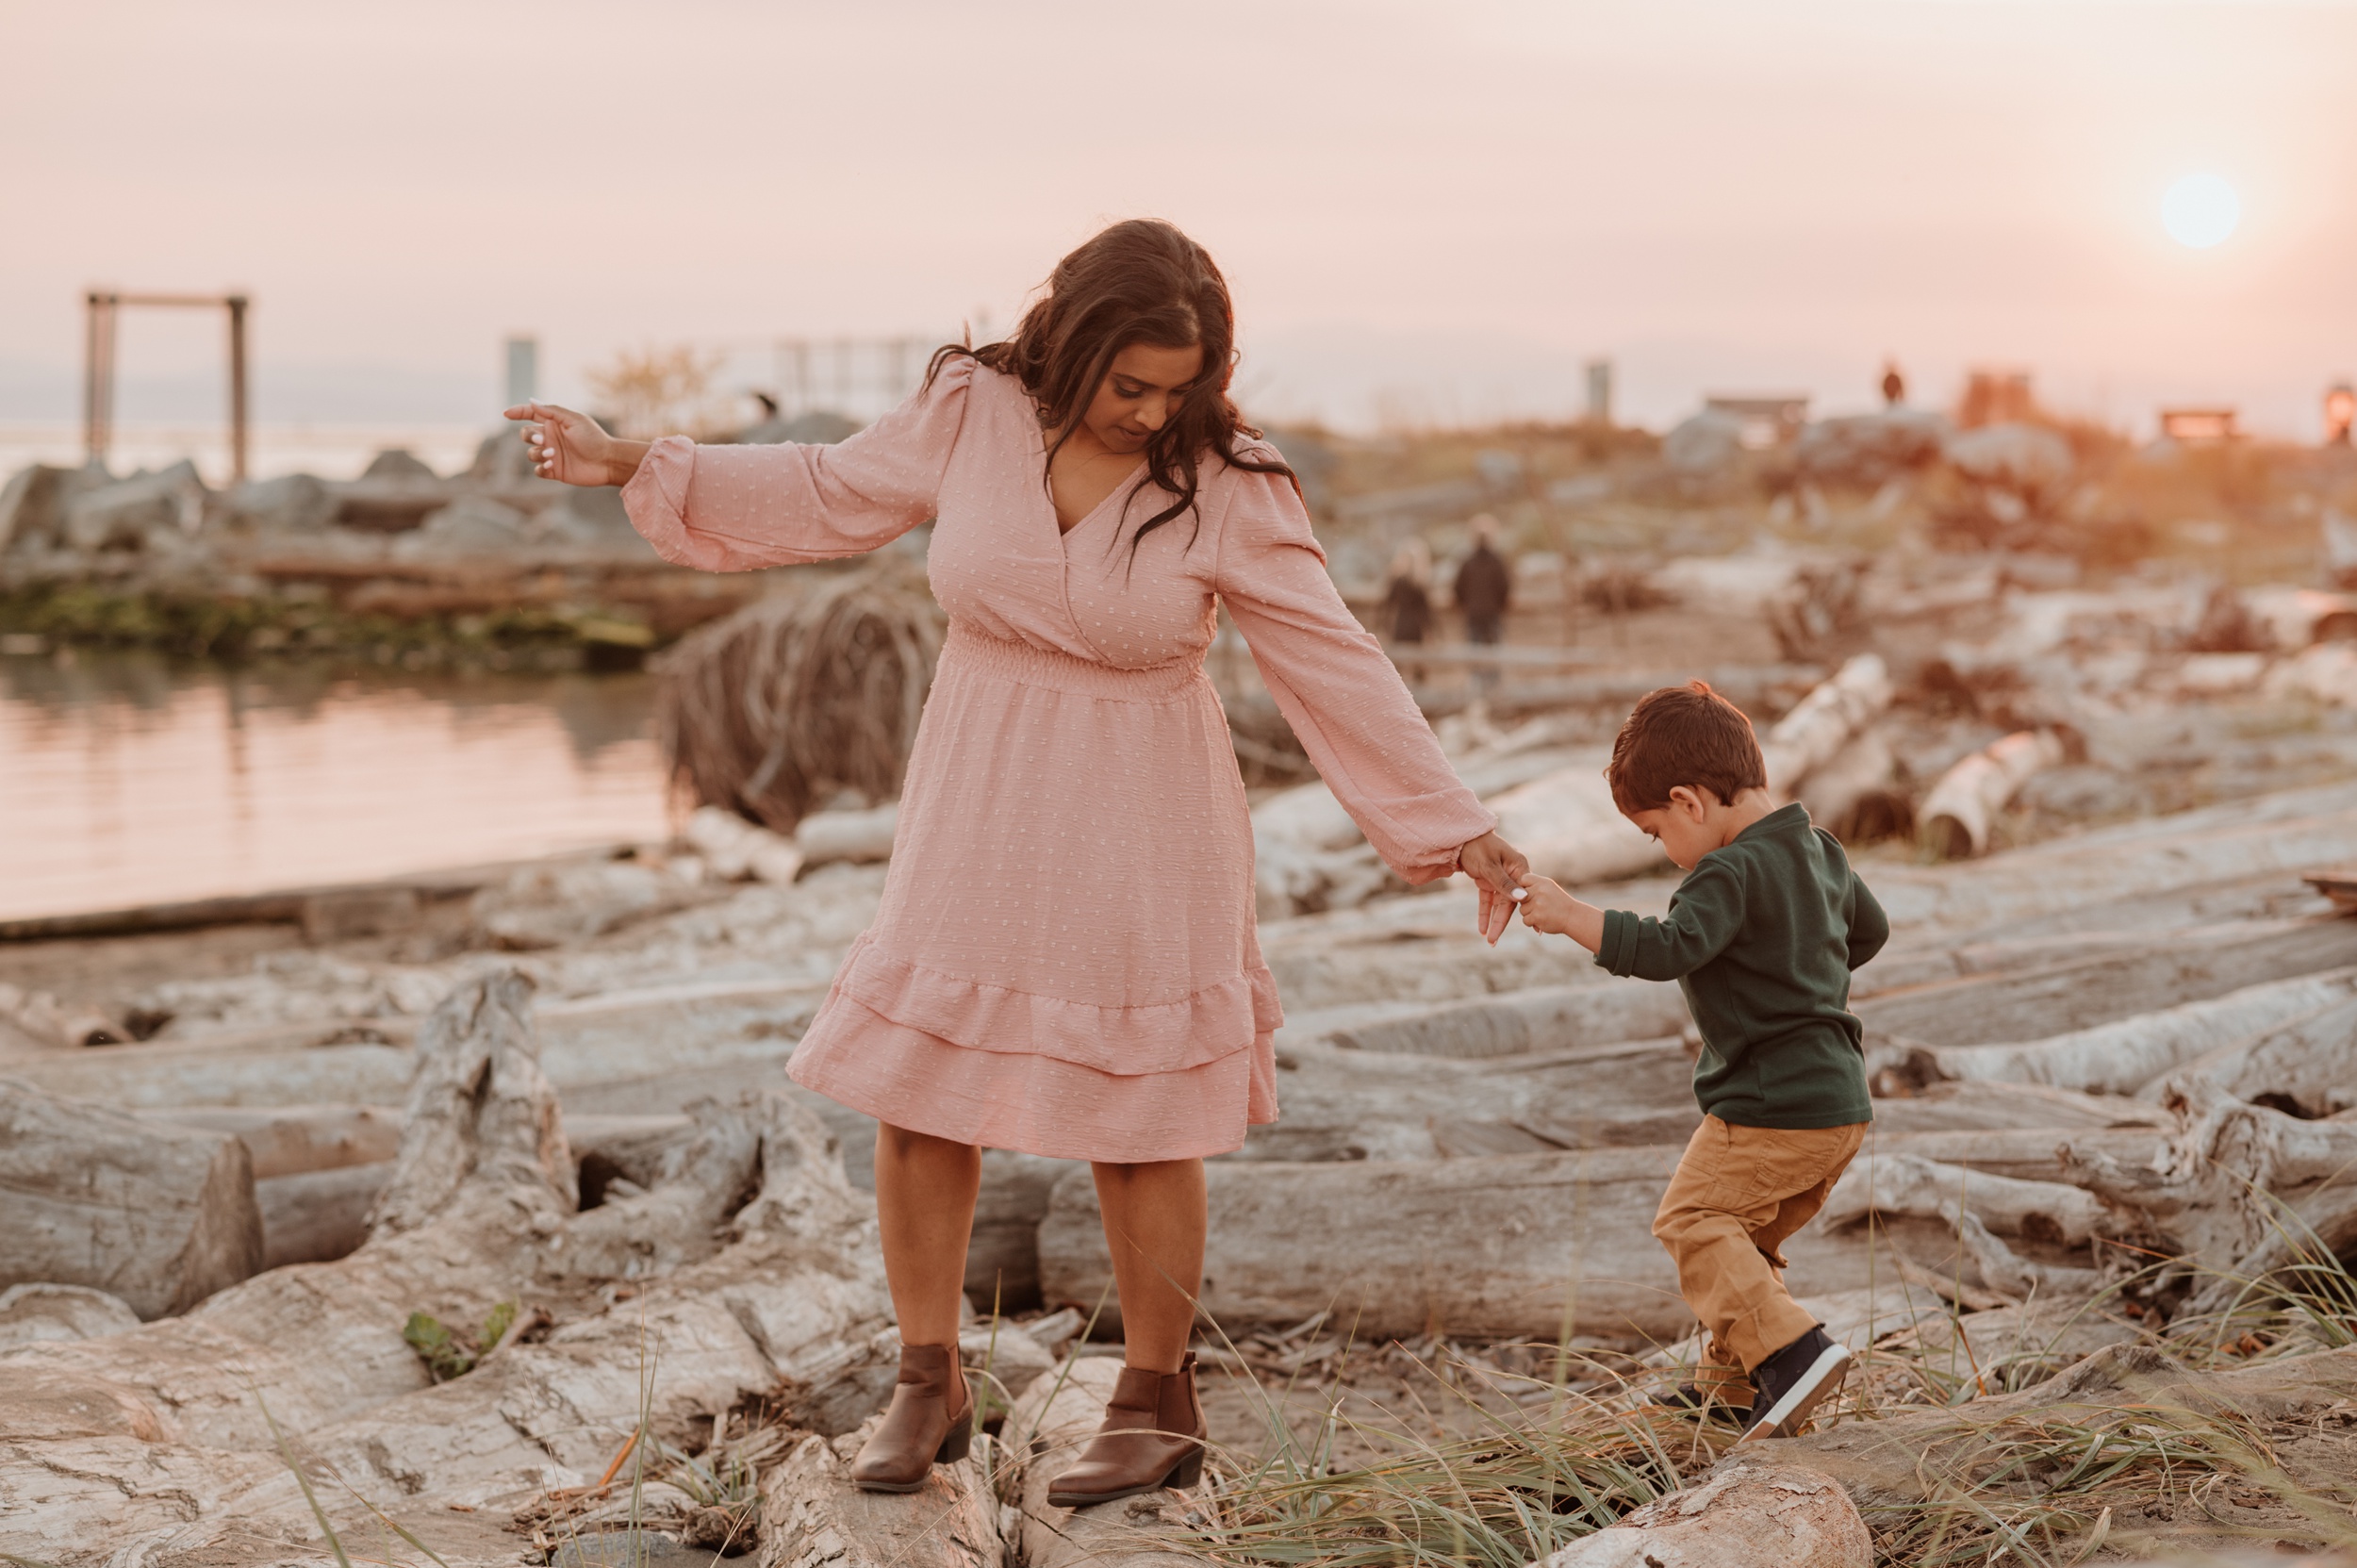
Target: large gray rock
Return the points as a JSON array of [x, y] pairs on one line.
[[31, 502], [1705, 446], [472, 525], [292, 504], [592, 518], [1869, 449], [503, 458], [397, 463], [127, 514], [2027, 459]]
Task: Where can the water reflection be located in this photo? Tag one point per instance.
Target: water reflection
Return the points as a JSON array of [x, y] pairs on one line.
[[128, 779]]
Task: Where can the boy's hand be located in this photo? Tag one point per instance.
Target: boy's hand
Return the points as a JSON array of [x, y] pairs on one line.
[[1546, 907]]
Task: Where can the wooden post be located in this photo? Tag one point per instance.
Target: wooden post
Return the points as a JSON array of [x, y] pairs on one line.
[[98, 376], [237, 304]]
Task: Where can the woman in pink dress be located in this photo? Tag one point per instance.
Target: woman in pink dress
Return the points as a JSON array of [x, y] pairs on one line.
[[1065, 961]]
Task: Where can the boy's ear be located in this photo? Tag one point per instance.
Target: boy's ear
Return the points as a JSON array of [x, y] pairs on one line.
[[1690, 801]]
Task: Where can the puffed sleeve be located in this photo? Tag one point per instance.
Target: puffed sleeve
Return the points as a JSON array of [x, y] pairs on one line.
[[1334, 685], [732, 509]]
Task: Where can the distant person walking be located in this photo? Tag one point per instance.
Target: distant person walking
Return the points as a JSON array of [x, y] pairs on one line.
[[1482, 589], [1064, 962], [1408, 600]]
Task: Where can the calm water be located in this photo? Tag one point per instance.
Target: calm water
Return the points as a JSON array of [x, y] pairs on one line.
[[127, 781]]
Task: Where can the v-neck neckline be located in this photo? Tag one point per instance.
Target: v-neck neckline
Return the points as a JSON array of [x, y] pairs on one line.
[[1127, 482]]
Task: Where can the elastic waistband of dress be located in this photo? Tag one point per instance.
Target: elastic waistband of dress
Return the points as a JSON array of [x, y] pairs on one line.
[[1026, 665]]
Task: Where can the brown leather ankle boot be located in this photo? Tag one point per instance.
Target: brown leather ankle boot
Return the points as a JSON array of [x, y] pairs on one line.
[[1152, 1437], [931, 1422]]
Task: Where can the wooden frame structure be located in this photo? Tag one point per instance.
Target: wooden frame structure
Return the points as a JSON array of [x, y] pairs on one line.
[[98, 366]]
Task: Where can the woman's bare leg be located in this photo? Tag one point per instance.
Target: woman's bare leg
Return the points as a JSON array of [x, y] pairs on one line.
[[924, 1189], [1154, 1224]]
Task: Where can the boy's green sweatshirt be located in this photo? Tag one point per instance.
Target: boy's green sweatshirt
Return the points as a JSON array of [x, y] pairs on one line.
[[1762, 936]]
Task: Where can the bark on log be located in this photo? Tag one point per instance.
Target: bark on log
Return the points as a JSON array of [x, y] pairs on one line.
[[1824, 722], [1959, 812], [2123, 1056], [1747, 1510], [2306, 1066], [812, 1516], [2037, 1003], [161, 1217]]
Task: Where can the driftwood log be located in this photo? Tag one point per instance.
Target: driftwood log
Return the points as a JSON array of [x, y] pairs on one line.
[[161, 1217], [1963, 806], [1747, 1510], [111, 1444], [1822, 723]]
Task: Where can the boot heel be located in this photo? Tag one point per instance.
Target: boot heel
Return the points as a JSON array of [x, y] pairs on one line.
[[1187, 1472], [959, 1441]]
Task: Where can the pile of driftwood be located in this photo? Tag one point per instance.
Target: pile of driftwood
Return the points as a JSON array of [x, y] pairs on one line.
[[2115, 1068]]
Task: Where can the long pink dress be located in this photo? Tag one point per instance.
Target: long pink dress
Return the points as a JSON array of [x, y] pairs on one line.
[[1065, 961]]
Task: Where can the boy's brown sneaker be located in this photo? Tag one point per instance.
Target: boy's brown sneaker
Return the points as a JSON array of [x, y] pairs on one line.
[[1794, 1381]]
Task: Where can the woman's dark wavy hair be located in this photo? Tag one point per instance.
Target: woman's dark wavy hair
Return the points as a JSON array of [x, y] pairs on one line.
[[1140, 281]]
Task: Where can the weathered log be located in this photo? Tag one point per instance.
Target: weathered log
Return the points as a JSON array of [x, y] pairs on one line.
[[161, 1217], [1320, 974], [29, 1313], [294, 1139], [812, 1516], [1516, 1247], [1855, 795], [1910, 1184], [2123, 1056], [2036, 1003], [318, 1216], [1533, 1019], [2059, 881], [2306, 1066], [1746, 1510], [1045, 1433], [1567, 824], [2237, 1192], [122, 1440], [1959, 812], [1824, 722], [663, 1031], [1991, 1105]]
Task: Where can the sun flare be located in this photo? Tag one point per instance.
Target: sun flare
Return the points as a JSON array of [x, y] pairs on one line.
[[2200, 210]]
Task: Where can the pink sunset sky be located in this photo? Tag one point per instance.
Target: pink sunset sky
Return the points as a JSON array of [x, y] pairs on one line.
[[1428, 211]]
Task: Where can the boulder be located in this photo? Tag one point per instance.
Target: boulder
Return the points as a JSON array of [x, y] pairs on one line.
[[291, 504], [1866, 451], [592, 517], [397, 463], [125, 514], [471, 525], [2027, 459], [545, 906], [1705, 446], [503, 458], [30, 503]]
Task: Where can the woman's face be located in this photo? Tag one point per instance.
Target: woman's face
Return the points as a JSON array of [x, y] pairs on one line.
[[1140, 394]]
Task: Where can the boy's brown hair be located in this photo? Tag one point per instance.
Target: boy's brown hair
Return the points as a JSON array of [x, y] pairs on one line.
[[1687, 736]]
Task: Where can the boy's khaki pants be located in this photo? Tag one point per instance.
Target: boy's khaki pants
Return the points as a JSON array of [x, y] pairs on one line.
[[1738, 1194]]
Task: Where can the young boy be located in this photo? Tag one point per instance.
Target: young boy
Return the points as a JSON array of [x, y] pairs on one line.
[[1761, 935]]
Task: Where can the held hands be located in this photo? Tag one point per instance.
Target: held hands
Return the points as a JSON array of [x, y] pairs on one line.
[[1494, 866], [572, 449], [1546, 907]]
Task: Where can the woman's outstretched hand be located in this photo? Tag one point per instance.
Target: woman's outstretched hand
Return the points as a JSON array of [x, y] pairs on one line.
[[572, 449], [1497, 869]]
